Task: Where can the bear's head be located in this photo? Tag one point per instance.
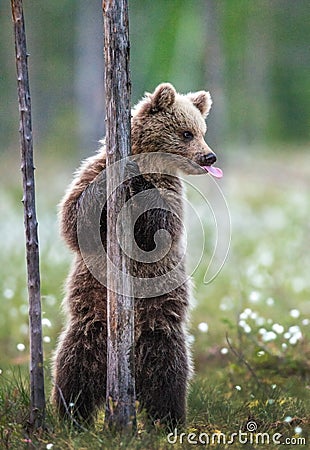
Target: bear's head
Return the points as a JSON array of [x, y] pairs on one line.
[[174, 124]]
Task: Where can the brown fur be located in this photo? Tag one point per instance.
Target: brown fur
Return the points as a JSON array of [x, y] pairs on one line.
[[162, 361]]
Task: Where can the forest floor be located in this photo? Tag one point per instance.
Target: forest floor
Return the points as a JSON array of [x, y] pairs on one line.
[[250, 322]]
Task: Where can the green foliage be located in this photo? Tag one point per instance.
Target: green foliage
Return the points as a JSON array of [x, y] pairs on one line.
[[171, 31]]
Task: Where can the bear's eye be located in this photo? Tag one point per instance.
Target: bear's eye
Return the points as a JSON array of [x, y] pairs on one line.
[[188, 135]]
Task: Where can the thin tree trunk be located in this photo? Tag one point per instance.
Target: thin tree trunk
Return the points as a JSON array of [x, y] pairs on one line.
[[37, 396], [257, 72], [120, 404], [88, 75], [215, 72]]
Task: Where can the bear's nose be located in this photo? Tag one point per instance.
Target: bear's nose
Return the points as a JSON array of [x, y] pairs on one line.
[[209, 159]]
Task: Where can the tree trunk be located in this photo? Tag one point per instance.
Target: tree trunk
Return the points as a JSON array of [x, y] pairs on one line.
[[120, 404], [88, 75], [257, 73], [215, 72], [37, 397]]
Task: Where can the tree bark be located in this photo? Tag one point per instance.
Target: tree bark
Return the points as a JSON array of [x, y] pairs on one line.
[[37, 396], [120, 401]]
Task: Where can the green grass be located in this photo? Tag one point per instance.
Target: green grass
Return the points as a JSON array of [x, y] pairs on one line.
[[249, 328]]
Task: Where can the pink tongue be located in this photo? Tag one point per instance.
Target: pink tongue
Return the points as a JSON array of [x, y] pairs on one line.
[[215, 171]]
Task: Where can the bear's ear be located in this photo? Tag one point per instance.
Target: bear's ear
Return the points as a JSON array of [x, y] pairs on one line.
[[163, 97], [202, 100]]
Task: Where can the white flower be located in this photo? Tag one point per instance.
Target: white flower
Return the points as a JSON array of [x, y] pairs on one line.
[[262, 331], [247, 329], [46, 322], [203, 327], [269, 336], [294, 329], [270, 301], [8, 293], [294, 334], [226, 304], [260, 321], [298, 284], [254, 297], [278, 328], [245, 314], [295, 313], [20, 347]]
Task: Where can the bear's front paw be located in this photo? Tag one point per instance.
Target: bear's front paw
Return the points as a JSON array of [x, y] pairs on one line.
[[132, 169], [134, 180]]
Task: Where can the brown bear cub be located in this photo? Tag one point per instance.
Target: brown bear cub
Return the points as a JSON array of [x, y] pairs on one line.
[[163, 123]]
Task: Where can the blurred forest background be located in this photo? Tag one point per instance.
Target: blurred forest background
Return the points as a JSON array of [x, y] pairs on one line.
[[253, 56]]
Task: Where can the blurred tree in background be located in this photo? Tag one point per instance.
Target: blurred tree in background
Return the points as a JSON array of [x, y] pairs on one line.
[[252, 55]]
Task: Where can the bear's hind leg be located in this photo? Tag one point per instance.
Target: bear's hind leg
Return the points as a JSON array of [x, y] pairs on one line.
[[162, 373], [80, 372]]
